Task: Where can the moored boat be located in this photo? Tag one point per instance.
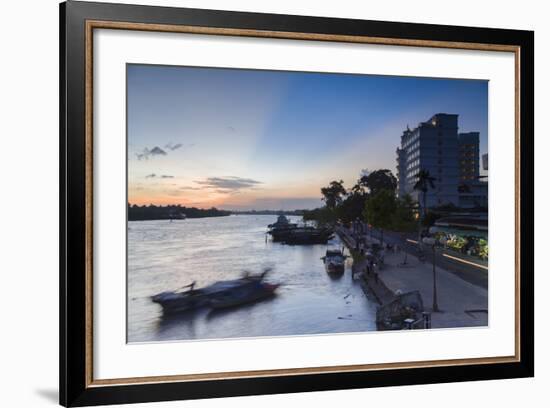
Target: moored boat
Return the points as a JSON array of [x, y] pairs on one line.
[[279, 229], [289, 233], [307, 236], [334, 261]]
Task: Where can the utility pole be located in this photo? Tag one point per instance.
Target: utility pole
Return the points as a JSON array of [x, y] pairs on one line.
[[431, 241]]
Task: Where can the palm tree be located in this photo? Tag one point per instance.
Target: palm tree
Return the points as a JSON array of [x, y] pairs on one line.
[[423, 184]]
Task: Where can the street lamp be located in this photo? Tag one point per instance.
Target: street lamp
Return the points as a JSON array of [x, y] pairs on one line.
[[431, 242]]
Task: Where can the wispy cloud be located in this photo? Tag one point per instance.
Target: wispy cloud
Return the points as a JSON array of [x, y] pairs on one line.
[[162, 176], [171, 146], [228, 184], [147, 153], [175, 146]]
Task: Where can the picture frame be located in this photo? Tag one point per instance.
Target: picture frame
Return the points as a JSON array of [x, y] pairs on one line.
[[79, 21]]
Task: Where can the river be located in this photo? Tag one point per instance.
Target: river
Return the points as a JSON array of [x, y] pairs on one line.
[[165, 255]]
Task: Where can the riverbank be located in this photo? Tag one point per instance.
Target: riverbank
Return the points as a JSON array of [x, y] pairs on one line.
[[461, 303], [171, 212]]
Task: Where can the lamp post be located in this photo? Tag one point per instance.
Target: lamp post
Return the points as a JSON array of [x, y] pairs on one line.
[[431, 241]]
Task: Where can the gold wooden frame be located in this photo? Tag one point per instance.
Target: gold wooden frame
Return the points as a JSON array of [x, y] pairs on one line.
[[98, 24]]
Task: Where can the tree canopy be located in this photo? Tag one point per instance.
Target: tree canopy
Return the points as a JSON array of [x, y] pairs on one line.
[[380, 208], [333, 194], [379, 180]]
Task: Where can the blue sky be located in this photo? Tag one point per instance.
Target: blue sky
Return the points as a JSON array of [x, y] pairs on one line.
[[248, 139]]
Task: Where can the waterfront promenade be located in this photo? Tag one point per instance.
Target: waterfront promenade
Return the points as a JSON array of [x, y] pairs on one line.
[[462, 303]]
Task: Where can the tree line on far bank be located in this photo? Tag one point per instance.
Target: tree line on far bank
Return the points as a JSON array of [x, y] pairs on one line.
[[168, 212], [372, 199]]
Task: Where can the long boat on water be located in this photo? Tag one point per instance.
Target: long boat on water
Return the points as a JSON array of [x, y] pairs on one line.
[[249, 288]]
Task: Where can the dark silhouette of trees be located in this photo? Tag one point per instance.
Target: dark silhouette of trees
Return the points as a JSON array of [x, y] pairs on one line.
[[403, 218], [379, 180], [380, 210], [169, 212], [333, 194]]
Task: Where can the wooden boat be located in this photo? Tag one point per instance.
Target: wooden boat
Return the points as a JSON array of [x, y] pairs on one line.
[[181, 300], [247, 293], [334, 261], [220, 294]]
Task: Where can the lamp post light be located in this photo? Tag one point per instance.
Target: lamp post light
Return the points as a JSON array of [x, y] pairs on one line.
[[431, 242]]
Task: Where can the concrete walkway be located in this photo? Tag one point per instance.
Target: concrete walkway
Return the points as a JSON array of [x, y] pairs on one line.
[[462, 304]]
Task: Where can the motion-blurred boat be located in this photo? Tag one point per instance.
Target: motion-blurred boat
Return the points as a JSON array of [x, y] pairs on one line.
[[221, 294], [183, 299], [248, 292]]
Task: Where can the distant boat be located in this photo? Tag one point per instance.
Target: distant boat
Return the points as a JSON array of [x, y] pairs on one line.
[[177, 216], [334, 261]]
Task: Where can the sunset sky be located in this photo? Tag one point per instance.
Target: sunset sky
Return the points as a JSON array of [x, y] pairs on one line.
[[247, 139]]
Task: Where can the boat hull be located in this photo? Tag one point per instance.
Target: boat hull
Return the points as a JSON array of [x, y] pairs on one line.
[[172, 302], [335, 269], [244, 295]]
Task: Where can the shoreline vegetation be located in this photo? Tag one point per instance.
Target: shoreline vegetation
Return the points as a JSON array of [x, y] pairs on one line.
[[372, 199], [171, 212], [178, 212]]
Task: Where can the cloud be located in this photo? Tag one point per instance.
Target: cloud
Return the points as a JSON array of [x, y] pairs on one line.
[[190, 188], [228, 184], [147, 153], [171, 146], [162, 176]]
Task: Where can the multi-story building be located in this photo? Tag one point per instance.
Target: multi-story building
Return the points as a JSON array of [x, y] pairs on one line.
[[451, 158], [485, 160], [432, 146], [468, 157]]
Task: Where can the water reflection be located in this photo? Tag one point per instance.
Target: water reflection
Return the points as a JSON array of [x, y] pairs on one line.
[[165, 256]]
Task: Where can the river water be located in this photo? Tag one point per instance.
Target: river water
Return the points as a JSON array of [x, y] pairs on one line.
[[165, 255]]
